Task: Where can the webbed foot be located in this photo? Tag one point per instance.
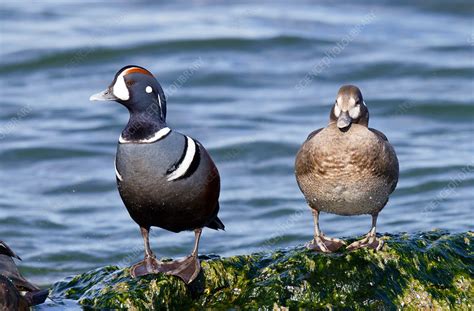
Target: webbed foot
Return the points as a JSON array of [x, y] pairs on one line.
[[149, 265], [325, 244], [186, 269], [370, 241]]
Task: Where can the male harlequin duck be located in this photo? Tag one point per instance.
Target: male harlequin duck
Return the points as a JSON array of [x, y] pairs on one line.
[[166, 179], [16, 293], [346, 169]]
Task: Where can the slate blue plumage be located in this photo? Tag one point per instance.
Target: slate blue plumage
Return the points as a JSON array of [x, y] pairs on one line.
[[165, 179], [186, 203]]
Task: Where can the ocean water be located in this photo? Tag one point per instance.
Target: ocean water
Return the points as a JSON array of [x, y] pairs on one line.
[[249, 81]]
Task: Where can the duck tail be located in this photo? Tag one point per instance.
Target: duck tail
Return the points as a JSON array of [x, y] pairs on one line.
[[216, 224]]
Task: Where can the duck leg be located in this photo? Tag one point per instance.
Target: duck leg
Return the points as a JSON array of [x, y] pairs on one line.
[[322, 243], [149, 264], [370, 240], [189, 267]]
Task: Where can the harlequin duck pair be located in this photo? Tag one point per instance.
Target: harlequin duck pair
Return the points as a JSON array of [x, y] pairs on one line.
[[167, 179]]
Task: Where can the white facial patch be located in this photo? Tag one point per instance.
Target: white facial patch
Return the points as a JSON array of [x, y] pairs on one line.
[[120, 88], [337, 110], [354, 112], [352, 102], [148, 89]]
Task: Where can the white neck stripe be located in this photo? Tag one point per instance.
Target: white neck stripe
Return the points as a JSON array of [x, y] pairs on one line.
[[161, 107], [157, 136], [188, 159]]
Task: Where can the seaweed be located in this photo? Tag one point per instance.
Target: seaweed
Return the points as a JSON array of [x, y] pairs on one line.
[[428, 270]]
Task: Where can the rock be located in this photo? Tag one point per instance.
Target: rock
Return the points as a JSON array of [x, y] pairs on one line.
[[430, 270]]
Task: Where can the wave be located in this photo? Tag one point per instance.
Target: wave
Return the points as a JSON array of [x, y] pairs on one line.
[[87, 55], [393, 69], [435, 108]]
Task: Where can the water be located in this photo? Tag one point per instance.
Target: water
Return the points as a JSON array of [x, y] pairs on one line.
[[250, 82]]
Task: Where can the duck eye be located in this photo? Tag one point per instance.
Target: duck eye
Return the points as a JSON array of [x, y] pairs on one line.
[[130, 82], [148, 89]]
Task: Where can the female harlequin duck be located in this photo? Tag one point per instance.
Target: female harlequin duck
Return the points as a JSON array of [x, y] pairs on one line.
[[166, 179], [346, 168], [16, 293]]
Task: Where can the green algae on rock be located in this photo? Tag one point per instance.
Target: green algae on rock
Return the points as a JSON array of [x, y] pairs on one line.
[[430, 270]]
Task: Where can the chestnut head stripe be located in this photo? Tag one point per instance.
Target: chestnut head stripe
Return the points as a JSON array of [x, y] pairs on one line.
[[136, 70]]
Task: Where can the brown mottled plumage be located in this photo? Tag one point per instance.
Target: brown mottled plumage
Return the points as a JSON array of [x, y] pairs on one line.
[[346, 168], [16, 293]]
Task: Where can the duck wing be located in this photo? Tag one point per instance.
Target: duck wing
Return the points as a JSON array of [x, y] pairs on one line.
[[379, 134], [313, 133], [390, 160], [9, 269]]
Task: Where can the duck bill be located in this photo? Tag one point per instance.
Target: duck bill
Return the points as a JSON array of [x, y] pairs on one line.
[[344, 120], [104, 95]]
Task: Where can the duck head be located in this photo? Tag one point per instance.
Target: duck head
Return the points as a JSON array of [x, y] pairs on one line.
[[349, 108], [138, 90]]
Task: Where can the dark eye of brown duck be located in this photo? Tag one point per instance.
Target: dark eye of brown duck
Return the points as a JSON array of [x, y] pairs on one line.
[[130, 82]]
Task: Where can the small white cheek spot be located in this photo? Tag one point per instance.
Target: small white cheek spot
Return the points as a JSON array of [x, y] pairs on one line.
[[148, 89]]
